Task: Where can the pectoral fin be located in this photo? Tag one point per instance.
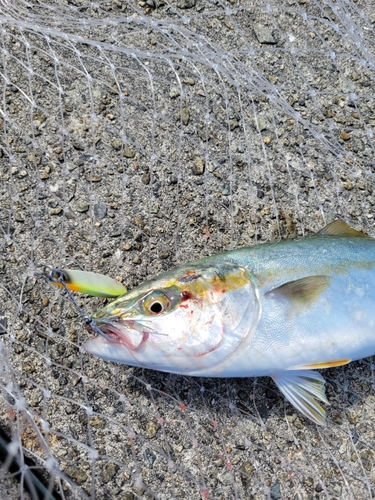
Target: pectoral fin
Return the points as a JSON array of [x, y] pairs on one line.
[[303, 389], [302, 292], [93, 284], [341, 228]]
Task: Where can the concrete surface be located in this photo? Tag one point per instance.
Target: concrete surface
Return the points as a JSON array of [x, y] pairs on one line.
[[137, 136]]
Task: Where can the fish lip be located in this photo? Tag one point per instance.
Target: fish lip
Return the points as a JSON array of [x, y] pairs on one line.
[[121, 332]]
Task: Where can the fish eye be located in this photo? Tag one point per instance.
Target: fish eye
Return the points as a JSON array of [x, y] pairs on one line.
[[156, 307], [156, 303]]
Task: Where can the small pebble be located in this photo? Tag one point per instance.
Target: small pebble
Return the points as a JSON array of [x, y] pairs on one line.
[[56, 211], [18, 217], [264, 34], [260, 123], [77, 474], [138, 222], [82, 207], [186, 4], [44, 173], [128, 152], [100, 210], [185, 116], [355, 436], [110, 471], [97, 422], [145, 179], [344, 136], [150, 457], [33, 158], [152, 429], [137, 260], [116, 233], [226, 478], [198, 167], [275, 491], [247, 470], [71, 166], [63, 380], [116, 144], [358, 145], [352, 417], [337, 489], [174, 92]]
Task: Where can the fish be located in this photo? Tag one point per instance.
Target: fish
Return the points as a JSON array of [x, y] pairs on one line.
[[282, 309]]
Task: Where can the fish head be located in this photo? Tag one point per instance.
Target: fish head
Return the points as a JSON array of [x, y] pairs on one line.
[[189, 320]]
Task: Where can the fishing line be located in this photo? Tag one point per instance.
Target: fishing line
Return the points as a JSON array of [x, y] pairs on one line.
[[57, 276]]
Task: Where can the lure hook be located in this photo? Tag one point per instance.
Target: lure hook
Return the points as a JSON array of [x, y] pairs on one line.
[[57, 276]]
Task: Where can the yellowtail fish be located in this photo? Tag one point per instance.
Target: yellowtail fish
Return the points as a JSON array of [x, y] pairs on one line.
[[279, 310]]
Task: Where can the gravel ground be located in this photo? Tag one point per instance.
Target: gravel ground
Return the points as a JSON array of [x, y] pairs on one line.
[[137, 136]]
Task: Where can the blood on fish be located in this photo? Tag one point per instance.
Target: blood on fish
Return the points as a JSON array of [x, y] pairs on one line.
[[185, 296]]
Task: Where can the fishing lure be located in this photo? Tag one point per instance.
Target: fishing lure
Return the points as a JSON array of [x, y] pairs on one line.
[[276, 309], [96, 285]]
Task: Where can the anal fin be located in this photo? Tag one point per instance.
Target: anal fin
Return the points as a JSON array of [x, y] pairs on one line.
[[303, 389]]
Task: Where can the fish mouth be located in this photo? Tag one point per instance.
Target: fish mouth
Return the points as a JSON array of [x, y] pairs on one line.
[[128, 333]]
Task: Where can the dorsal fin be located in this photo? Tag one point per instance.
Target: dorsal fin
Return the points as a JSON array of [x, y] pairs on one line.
[[341, 228]]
